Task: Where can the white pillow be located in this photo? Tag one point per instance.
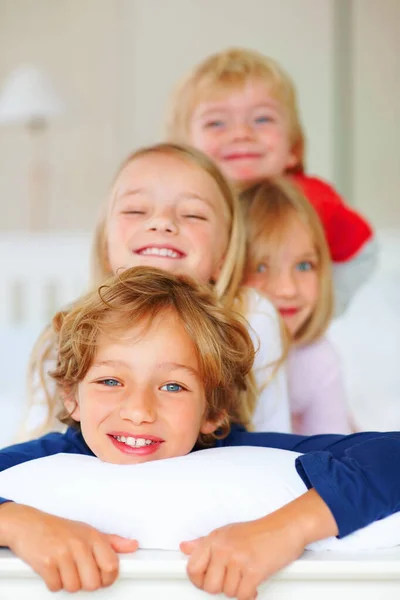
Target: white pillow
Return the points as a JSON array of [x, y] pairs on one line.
[[164, 502]]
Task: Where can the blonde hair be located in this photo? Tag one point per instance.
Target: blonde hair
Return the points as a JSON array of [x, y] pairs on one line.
[[135, 296], [228, 287], [231, 274], [271, 207], [227, 70]]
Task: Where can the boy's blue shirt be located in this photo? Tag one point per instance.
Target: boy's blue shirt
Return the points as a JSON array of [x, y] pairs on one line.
[[358, 475]]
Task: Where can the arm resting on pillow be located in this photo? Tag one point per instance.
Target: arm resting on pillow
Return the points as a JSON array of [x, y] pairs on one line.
[[236, 558], [356, 475]]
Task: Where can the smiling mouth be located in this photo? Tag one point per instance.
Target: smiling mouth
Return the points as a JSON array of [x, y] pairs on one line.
[[242, 156], [288, 312], [136, 445], [134, 442], [160, 251]]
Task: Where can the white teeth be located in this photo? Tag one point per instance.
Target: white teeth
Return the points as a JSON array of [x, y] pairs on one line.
[[134, 442], [159, 252]]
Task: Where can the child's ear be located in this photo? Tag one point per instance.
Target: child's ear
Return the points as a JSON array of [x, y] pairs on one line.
[[209, 426], [70, 399], [296, 154], [293, 160]]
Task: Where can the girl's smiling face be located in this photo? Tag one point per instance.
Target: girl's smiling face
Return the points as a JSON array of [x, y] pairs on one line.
[[288, 275], [246, 132], [142, 398], [170, 214]]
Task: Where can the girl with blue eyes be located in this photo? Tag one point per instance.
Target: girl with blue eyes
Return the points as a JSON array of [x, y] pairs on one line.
[[240, 108], [288, 259]]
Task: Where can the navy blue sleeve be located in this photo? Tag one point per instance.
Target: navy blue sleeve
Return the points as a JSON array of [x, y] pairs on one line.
[[358, 475], [53, 443]]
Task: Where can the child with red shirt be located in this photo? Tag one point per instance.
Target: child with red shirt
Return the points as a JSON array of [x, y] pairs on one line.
[[240, 108]]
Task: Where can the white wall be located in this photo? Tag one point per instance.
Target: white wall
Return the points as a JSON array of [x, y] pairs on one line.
[[116, 62], [376, 109]]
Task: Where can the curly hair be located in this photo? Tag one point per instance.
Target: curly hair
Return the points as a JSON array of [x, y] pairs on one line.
[[137, 295]]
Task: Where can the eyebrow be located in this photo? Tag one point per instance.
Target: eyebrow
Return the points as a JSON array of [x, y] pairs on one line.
[[177, 366], [110, 363], [190, 195], [129, 192], [183, 196], [169, 365], [310, 254], [219, 108], [307, 255]]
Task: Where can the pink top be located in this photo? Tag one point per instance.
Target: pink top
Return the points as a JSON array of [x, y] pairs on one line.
[[317, 396]]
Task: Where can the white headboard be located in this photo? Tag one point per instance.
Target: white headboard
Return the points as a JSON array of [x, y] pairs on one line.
[[40, 274]]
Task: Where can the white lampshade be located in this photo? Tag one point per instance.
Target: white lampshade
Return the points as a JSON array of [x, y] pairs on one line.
[[28, 97]]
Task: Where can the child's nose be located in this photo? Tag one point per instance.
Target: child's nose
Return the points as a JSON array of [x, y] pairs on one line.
[[283, 285], [242, 130], [139, 407], [164, 223]]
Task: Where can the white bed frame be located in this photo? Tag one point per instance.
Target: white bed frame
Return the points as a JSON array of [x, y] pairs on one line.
[[41, 273], [160, 575]]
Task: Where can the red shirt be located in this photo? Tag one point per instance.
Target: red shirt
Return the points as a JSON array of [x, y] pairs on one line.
[[346, 231]]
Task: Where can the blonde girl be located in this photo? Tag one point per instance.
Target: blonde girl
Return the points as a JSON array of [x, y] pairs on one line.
[[241, 109], [171, 208], [288, 259]]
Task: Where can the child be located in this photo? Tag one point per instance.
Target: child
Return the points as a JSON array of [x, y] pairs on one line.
[[151, 366], [170, 207], [240, 108], [288, 260]]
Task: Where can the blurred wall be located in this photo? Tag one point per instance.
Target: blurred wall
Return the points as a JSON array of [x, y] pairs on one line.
[[116, 62], [376, 109]]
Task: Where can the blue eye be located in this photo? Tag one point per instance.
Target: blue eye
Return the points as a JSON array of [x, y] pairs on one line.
[[304, 265], [172, 387], [263, 119], [261, 268], [214, 124], [109, 382]]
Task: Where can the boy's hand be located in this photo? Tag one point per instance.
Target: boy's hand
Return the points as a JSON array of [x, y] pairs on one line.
[[236, 558], [67, 554]]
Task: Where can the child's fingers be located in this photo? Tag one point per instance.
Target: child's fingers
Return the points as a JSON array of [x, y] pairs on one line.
[[123, 545], [88, 569], [214, 577], [51, 576], [247, 589], [232, 581], [198, 564], [69, 574], [189, 546], [107, 561]]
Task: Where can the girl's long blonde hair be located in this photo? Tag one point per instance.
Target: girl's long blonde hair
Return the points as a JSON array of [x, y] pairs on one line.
[[227, 288], [270, 208]]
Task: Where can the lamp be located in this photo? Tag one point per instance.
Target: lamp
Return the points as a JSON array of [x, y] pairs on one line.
[[28, 98]]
